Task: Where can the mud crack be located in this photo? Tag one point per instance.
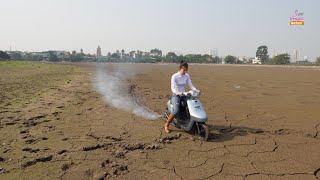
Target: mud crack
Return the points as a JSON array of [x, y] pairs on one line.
[[35, 161]]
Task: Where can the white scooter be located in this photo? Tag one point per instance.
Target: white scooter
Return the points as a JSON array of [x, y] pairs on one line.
[[191, 116]]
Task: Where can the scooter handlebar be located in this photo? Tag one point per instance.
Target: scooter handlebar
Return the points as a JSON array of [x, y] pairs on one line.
[[192, 92], [185, 94]]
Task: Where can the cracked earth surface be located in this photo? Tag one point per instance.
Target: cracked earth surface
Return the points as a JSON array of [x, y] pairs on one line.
[[55, 125]]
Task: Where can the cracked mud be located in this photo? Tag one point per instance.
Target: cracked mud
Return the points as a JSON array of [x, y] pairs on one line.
[[55, 125]]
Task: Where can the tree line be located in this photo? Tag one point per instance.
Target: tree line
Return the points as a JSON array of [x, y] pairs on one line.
[[153, 56]]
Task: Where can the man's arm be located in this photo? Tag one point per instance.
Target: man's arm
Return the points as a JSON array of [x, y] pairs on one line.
[[190, 84]]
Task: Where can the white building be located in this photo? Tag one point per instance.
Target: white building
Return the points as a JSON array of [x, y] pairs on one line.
[[296, 55], [256, 60]]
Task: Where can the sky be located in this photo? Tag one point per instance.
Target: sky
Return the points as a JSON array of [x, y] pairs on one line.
[[229, 27]]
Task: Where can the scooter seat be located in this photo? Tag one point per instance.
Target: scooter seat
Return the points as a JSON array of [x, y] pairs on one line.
[[183, 105]]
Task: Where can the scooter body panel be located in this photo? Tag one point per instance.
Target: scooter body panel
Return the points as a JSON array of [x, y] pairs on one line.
[[196, 110]]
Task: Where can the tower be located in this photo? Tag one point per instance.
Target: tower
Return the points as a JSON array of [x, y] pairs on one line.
[[98, 51]]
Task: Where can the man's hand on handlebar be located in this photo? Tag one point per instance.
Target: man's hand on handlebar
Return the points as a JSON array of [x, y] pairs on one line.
[[183, 94]]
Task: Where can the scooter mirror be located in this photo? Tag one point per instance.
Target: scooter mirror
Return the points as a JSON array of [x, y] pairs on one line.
[[194, 93]]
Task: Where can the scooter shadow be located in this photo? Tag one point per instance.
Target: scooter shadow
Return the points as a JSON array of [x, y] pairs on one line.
[[226, 133]]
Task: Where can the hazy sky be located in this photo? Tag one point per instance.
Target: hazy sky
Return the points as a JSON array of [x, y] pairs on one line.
[[235, 27]]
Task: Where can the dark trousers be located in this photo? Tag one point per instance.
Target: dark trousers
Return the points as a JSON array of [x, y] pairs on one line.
[[175, 101]]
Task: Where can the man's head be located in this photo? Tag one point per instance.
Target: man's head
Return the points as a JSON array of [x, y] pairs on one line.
[[183, 68]]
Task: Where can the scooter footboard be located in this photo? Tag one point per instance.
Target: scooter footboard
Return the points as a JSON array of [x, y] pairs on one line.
[[189, 126]]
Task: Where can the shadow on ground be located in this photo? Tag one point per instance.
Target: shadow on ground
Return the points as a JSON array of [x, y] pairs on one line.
[[226, 133]]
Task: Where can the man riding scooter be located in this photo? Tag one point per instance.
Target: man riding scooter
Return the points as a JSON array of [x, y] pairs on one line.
[[178, 82]]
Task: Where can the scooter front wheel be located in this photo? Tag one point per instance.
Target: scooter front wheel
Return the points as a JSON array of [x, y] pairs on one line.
[[202, 132]]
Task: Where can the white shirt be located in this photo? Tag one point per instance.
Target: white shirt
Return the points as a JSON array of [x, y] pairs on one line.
[[178, 82]]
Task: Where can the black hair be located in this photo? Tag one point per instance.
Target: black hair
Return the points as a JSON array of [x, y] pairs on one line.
[[183, 64]]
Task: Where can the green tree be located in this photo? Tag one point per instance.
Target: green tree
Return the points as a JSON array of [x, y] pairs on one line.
[[53, 57], [139, 54], [206, 58], [16, 56], [216, 59], [318, 60], [76, 57], [4, 55], [230, 59], [115, 56], [262, 54], [123, 52], [181, 58], [171, 57], [238, 61], [156, 53], [36, 58], [189, 58], [281, 59]]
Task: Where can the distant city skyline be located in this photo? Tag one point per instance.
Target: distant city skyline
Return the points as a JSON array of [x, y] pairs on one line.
[[295, 55], [227, 27]]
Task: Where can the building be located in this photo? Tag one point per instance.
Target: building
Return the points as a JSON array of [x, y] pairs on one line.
[[146, 54], [46, 54], [67, 55], [132, 54], [296, 55]]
